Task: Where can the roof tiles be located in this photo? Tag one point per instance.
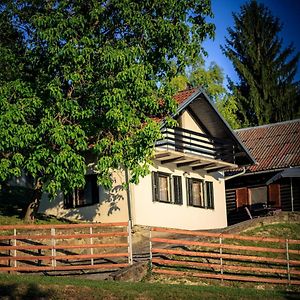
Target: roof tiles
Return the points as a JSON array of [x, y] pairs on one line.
[[274, 146]]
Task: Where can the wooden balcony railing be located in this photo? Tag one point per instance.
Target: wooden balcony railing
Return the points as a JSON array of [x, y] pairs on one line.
[[188, 141]]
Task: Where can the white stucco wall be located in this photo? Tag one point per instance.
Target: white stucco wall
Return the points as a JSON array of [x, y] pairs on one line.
[[149, 213], [112, 206], [186, 121]]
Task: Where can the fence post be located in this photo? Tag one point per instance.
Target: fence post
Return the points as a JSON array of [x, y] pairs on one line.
[[288, 261], [14, 252], [221, 258], [150, 247], [91, 242], [53, 250], [129, 240]]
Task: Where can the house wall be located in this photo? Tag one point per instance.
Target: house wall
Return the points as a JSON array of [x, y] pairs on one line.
[[112, 206], [186, 121], [149, 213]]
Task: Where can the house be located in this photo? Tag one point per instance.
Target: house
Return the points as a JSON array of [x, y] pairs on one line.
[[274, 181], [186, 186]]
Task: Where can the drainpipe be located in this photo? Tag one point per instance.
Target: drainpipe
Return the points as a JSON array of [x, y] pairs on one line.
[[236, 175], [292, 194], [128, 195]]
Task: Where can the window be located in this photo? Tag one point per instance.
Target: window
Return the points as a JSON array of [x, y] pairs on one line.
[[166, 188], [258, 195], [209, 193], [161, 187], [89, 195], [200, 194], [195, 192]]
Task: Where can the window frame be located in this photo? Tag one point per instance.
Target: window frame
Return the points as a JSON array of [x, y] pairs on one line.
[[155, 186], [174, 196], [189, 189]]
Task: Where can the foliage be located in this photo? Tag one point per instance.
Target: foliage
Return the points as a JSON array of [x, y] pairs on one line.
[[266, 91], [211, 80], [92, 77]]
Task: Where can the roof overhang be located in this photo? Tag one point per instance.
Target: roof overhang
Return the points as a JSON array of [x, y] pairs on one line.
[[184, 160], [287, 173]]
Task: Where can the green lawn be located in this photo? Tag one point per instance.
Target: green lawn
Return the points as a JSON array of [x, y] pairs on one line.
[[282, 230], [36, 287]]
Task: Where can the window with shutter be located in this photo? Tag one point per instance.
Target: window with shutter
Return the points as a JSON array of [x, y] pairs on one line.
[[161, 187], [195, 192], [89, 195]]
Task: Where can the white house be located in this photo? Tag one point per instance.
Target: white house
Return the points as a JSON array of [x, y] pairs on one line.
[[186, 186]]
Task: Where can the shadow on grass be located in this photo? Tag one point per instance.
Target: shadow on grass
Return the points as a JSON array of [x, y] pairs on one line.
[[25, 291], [14, 201], [291, 295]]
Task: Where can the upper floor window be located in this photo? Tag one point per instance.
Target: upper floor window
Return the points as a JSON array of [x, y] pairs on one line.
[[88, 195]]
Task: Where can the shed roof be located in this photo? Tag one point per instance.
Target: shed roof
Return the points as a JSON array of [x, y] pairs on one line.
[[274, 146]]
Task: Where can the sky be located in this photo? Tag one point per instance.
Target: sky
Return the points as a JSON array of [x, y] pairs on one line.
[[288, 11]]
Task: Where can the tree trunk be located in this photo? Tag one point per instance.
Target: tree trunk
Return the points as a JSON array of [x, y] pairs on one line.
[[34, 205]]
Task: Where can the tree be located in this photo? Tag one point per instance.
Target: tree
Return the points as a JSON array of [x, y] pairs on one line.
[[266, 91], [94, 76], [211, 80]]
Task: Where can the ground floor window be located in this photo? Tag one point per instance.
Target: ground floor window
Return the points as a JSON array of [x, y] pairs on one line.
[[161, 187], [166, 188], [195, 192], [200, 193], [89, 195], [258, 195]]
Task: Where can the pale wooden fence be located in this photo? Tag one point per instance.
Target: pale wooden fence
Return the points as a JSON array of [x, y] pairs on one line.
[[35, 248], [225, 256]]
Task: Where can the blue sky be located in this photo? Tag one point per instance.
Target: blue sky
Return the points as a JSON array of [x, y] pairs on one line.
[[288, 11]]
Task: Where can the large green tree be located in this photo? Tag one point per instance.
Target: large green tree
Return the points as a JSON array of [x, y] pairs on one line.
[[92, 77], [266, 91]]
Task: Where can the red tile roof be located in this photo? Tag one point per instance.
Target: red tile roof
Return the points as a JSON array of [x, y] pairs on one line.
[[274, 146], [182, 96]]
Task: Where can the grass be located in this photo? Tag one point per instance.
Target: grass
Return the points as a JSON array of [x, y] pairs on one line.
[[280, 230], [39, 220], [35, 287], [13, 202]]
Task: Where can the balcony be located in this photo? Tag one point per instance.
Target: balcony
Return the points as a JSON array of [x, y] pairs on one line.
[[193, 149]]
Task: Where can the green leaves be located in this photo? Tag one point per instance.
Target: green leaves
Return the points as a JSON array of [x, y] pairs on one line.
[[93, 77], [266, 91]]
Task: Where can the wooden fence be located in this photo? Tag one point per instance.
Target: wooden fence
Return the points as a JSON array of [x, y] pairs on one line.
[[225, 256], [31, 248]]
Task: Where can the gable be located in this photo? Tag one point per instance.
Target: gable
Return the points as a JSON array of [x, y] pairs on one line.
[[194, 104], [186, 121]]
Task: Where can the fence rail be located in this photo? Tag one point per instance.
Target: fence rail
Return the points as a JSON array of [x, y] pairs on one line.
[[30, 248], [225, 256]]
